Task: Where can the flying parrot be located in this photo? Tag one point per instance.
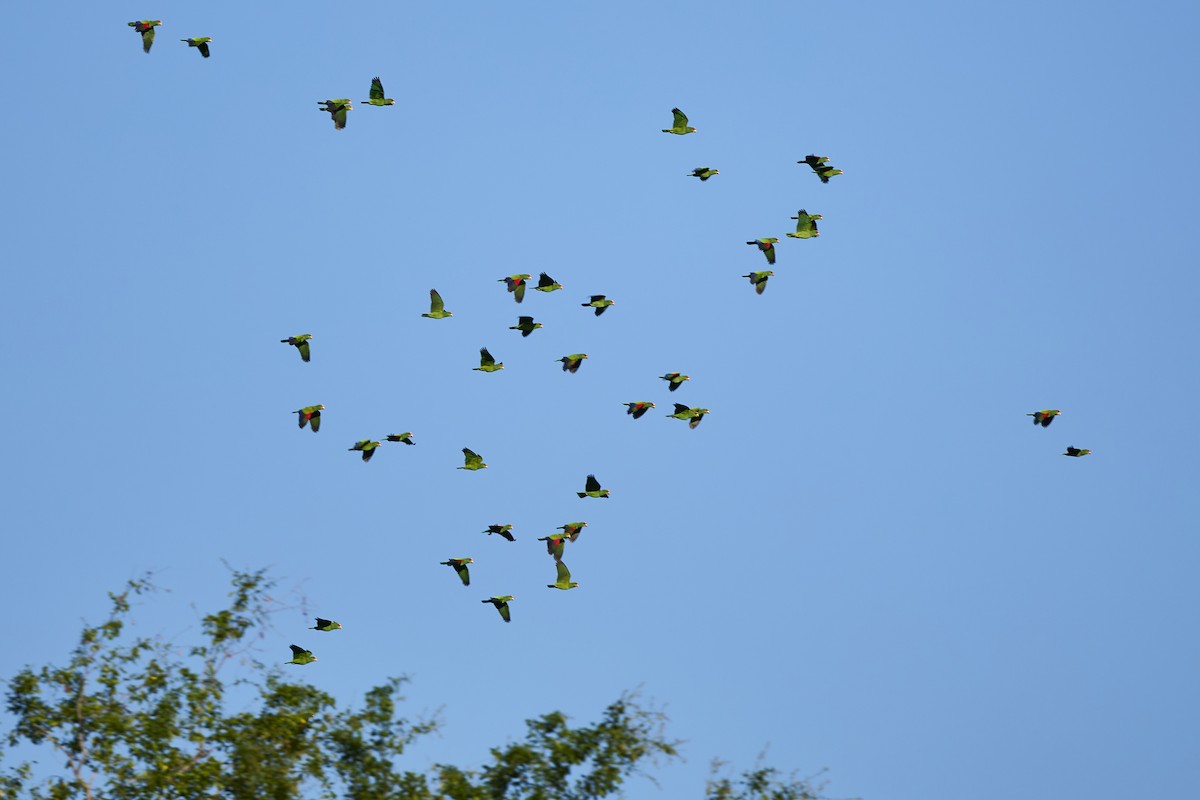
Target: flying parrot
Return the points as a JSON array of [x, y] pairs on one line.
[[572, 529], [554, 545], [767, 246], [638, 410], [806, 225], [377, 98], [405, 437], [572, 362], [501, 603], [301, 656], [1044, 417], [486, 362], [525, 325], [200, 43], [146, 28], [300, 342], [460, 566], [547, 284], [310, 415], [1076, 452], [473, 460], [599, 303], [502, 530], [437, 308], [675, 379], [367, 447], [759, 280], [821, 167], [326, 625], [704, 173], [337, 110], [592, 489], [679, 126], [564, 581], [516, 285]]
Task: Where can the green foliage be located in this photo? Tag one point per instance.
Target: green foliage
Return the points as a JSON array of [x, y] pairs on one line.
[[135, 718]]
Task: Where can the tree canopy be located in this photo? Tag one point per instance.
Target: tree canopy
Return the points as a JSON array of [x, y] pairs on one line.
[[133, 717]]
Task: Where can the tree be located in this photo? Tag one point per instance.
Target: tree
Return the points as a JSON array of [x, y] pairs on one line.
[[134, 718]]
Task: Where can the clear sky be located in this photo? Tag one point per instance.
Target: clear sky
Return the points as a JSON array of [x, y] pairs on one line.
[[865, 559]]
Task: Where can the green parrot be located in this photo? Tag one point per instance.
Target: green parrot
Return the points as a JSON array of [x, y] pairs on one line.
[[200, 43], [679, 126], [767, 246], [564, 581], [516, 285], [592, 489], [300, 342], [301, 656], [697, 415], [337, 110], [326, 625], [819, 166], [502, 530], [486, 362], [473, 460], [460, 566], [437, 308], [146, 28], [682, 412], [310, 415], [1076, 452], [554, 545], [525, 325], [547, 284], [638, 409], [572, 362], [377, 98], [501, 603], [572, 529], [599, 303], [704, 173], [1044, 417], [759, 279], [675, 379], [405, 437], [806, 225], [367, 447]]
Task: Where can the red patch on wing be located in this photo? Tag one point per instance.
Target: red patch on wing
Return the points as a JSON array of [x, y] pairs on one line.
[[308, 416]]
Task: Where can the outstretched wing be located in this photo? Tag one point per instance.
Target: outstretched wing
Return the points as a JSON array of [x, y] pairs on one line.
[[680, 408], [472, 457], [524, 321], [147, 39], [305, 353], [460, 566], [314, 422], [376, 89], [339, 118], [436, 305], [519, 291], [485, 358], [564, 574], [545, 280], [680, 118], [593, 485], [502, 607], [297, 651]]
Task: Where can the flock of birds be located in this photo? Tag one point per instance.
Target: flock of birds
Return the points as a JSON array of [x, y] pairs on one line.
[[310, 416]]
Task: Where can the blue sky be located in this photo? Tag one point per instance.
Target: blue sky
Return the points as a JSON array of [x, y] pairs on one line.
[[865, 559]]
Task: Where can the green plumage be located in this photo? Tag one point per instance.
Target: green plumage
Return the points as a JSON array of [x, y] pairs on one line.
[[821, 167], [504, 531], [767, 246], [598, 302], [572, 529], [554, 545], [367, 447], [326, 625], [200, 43], [516, 285], [1076, 452], [563, 581], [337, 110], [377, 98], [759, 280], [300, 342], [674, 379], [405, 437], [301, 656], [460, 566], [486, 362], [691, 415], [679, 125], [501, 603], [525, 325], [806, 225], [146, 28], [1044, 417], [704, 173], [572, 362], [311, 416], [592, 489], [472, 460], [437, 308], [547, 284], [638, 410]]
